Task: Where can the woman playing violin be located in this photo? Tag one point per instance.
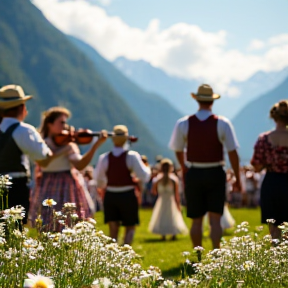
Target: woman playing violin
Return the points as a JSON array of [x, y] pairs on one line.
[[58, 179]]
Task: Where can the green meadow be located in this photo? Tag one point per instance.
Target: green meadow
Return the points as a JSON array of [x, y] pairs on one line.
[[167, 255]]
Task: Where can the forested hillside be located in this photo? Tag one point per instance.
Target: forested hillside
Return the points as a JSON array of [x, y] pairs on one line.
[[156, 113], [37, 56]]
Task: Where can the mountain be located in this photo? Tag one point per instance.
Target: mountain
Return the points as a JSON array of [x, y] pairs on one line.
[[177, 91], [253, 119], [249, 111], [155, 112], [251, 89], [37, 56]]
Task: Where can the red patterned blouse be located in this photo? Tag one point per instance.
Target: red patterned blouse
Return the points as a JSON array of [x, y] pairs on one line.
[[273, 158]]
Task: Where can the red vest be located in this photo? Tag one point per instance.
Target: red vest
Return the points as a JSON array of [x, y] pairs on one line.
[[203, 143], [118, 174]]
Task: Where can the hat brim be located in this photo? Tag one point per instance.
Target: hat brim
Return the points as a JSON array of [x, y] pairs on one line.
[[205, 97], [7, 104], [120, 135]]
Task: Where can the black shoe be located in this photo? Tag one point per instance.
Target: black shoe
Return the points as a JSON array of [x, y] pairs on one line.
[[173, 238]]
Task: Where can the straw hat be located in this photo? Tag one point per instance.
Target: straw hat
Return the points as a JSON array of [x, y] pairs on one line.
[[205, 93], [144, 157], [120, 134], [12, 96]]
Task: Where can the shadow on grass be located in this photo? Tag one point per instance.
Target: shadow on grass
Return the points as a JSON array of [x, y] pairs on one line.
[[178, 272], [153, 240], [157, 240]]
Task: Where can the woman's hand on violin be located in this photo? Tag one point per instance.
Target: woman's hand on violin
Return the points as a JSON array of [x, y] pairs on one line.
[[103, 137], [80, 164]]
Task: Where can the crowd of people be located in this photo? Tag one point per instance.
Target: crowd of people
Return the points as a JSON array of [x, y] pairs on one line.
[[251, 182], [123, 180], [249, 196]]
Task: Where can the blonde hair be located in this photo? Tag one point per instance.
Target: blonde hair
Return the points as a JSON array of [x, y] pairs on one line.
[[49, 116], [279, 111], [166, 165]]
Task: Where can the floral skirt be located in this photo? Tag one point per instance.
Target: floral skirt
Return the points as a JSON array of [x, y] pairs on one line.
[[62, 187]]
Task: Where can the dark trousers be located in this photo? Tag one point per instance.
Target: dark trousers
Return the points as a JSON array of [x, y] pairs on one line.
[[121, 207], [205, 191], [18, 194]]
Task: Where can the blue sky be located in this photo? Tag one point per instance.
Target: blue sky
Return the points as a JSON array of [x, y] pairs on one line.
[[242, 19], [215, 41]]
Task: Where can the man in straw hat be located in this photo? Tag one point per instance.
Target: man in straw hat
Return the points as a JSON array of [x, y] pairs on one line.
[[201, 138], [17, 141], [113, 172]]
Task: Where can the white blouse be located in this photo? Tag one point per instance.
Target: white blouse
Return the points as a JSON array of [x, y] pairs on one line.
[[63, 162]]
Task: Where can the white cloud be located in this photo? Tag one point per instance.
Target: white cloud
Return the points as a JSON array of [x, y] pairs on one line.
[[279, 39], [256, 45], [182, 49], [233, 91]]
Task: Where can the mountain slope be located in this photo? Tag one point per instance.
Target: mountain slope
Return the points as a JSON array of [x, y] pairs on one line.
[[177, 90], [156, 113], [257, 85], [173, 89], [253, 119], [37, 56]]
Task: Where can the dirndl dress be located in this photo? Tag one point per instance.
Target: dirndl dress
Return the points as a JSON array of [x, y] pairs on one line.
[[63, 187], [274, 188], [166, 218]]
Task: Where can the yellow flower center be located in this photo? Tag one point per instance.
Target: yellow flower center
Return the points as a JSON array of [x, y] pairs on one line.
[[50, 202], [40, 284]]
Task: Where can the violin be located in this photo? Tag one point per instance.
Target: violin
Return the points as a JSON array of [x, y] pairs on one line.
[[83, 137]]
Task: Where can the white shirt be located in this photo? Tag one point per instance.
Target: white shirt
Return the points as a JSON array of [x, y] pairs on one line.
[[225, 131], [28, 140], [133, 162]]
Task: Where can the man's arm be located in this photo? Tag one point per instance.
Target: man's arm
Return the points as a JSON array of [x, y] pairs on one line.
[[178, 141], [234, 161], [229, 139], [142, 172], [181, 159], [31, 143]]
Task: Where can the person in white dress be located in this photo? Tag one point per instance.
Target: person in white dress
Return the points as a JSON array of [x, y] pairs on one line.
[[166, 217]]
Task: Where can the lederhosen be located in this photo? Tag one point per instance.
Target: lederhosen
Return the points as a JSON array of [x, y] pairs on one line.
[[204, 186], [10, 162], [120, 206]]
